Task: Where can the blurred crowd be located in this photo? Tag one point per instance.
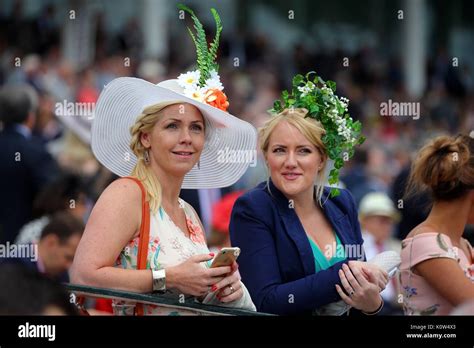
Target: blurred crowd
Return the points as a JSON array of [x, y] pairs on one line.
[[48, 193]]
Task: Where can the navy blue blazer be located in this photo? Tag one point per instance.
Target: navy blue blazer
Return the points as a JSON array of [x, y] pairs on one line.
[[20, 181], [276, 261]]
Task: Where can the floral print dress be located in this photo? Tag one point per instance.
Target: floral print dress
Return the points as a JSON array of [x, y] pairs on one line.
[[169, 246], [419, 298]]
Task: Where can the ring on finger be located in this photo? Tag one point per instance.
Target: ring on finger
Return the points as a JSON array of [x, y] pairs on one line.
[[232, 290], [346, 284]]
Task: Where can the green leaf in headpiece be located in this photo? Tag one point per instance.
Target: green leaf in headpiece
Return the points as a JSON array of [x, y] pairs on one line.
[[206, 56], [215, 44]]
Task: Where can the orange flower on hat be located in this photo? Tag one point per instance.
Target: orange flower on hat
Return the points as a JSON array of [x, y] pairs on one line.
[[216, 98]]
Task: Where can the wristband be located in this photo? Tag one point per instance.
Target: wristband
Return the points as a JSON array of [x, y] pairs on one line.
[[377, 310], [159, 280]]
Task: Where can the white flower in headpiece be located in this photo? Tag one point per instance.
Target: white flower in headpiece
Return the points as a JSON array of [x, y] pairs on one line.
[[214, 84], [327, 90], [304, 90], [189, 79], [214, 81], [344, 102], [214, 75], [332, 113], [196, 93]]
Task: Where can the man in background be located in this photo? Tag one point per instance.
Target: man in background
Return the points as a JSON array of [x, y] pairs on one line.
[[57, 247], [25, 165]]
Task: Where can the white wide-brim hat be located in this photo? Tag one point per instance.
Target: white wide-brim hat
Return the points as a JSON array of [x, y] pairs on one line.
[[123, 100]]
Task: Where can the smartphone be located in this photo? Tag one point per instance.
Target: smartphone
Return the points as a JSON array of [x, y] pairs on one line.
[[225, 257]]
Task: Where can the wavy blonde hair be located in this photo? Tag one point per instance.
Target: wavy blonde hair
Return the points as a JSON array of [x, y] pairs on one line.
[[143, 172], [309, 127]]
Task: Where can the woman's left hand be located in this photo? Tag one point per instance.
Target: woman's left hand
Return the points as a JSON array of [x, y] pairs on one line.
[[230, 288], [363, 295]]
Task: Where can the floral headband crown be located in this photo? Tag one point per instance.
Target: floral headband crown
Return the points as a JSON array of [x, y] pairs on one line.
[[204, 84], [342, 132]]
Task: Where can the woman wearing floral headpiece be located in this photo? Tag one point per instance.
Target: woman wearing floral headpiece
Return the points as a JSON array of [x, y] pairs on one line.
[[141, 236], [301, 242]]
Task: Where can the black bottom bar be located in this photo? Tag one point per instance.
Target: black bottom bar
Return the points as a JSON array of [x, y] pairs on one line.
[[236, 330]]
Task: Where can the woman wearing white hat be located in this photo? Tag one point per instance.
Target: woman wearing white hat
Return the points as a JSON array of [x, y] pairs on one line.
[[144, 237]]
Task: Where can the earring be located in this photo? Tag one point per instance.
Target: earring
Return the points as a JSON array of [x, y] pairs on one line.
[[199, 164], [146, 156]]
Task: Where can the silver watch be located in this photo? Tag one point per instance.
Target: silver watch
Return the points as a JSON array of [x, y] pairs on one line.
[[159, 280]]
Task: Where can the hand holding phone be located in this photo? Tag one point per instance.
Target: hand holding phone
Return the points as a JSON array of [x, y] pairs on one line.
[[225, 257]]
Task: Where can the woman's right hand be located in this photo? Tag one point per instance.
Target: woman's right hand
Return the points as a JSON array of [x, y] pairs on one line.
[[191, 278], [373, 273]]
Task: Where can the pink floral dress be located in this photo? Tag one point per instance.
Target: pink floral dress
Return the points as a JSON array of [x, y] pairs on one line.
[[419, 298]]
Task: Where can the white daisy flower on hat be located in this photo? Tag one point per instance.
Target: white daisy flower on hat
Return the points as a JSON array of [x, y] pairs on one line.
[[214, 83], [189, 80], [196, 93]]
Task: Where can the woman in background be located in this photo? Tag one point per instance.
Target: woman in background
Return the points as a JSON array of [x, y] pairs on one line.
[[437, 271]]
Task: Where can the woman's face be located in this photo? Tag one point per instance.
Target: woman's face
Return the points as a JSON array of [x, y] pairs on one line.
[[177, 139], [292, 159]]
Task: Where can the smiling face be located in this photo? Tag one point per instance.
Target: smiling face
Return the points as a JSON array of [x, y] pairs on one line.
[[176, 141], [293, 161]]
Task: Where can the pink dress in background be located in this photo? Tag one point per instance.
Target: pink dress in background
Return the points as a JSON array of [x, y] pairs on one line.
[[419, 298]]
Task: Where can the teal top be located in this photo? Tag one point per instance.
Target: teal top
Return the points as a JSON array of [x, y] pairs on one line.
[[320, 261]]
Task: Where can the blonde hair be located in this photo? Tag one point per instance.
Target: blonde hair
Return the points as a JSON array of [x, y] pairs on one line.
[[309, 127], [143, 172]]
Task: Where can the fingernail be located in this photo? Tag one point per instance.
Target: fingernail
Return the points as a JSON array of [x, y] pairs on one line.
[[211, 254], [214, 288]]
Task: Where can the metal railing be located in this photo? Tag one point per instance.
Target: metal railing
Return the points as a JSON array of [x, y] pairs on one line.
[[188, 304]]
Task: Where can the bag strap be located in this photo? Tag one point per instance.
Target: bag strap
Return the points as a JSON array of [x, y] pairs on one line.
[[144, 236]]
